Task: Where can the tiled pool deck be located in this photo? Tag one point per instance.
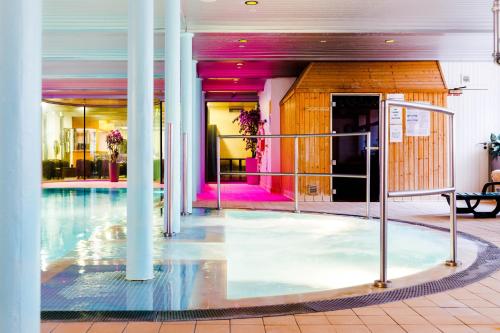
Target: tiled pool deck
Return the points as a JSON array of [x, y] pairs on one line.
[[474, 308]]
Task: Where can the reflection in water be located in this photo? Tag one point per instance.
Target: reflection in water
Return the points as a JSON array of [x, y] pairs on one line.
[[235, 255]]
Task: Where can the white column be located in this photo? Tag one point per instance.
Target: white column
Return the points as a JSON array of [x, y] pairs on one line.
[[203, 138], [20, 166], [173, 100], [187, 116], [196, 132], [140, 140]]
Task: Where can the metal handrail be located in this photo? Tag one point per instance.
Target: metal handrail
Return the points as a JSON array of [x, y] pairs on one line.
[[420, 193], [292, 136], [296, 174], [385, 194], [185, 171], [333, 175], [168, 216]]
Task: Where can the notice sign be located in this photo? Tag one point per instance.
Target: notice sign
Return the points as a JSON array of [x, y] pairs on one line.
[[395, 124], [396, 133], [418, 123], [396, 97], [396, 115]]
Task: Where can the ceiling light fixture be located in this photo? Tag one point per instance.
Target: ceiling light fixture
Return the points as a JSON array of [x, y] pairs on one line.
[[239, 64], [251, 3], [390, 41], [243, 40], [322, 41], [242, 46], [496, 31]]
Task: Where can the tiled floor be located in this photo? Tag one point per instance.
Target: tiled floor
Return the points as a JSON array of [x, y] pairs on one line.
[[474, 308]]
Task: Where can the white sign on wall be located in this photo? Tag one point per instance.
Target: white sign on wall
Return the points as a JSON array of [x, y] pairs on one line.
[[396, 119], [396, 115], [396, 133], [418, 122]]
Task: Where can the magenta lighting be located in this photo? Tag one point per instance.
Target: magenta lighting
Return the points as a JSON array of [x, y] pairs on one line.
[[496, 31]]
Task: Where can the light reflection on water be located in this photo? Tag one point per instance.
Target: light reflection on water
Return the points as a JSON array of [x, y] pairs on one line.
[[266, 253]]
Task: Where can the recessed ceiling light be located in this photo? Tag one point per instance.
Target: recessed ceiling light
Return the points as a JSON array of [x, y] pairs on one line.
[[251, 3], [239, 64], [242, 46], [322, 41], [390, 41]]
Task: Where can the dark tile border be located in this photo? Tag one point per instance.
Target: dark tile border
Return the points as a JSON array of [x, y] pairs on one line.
[[487, 262]]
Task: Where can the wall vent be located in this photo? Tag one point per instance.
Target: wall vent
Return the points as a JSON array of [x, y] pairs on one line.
[[312, 189]]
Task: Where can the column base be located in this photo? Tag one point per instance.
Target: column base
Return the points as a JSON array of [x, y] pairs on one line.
[[139, 280], [451, 263], [168, 234], [382, 284]]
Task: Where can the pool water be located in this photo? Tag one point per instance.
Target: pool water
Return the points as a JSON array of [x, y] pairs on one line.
[[245, 253]]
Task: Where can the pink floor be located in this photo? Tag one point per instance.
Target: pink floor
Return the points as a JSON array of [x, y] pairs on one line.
[[239, 192], [89, 184], [235, 192]]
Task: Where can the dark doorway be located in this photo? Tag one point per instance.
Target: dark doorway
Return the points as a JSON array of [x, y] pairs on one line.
[[350, 114], [220, 120]]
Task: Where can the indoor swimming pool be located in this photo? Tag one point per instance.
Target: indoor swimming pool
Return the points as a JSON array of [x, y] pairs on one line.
[[219, 257]]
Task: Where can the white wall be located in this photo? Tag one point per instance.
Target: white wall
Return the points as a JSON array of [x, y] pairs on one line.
[[269, 101], [477, 115]]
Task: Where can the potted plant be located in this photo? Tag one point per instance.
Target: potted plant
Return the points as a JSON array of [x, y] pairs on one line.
[[114, 139], [494, 150], [249, 125]]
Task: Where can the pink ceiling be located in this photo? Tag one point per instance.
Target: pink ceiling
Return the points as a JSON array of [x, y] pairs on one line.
[[218, 76], [240, 76], [249, 69]]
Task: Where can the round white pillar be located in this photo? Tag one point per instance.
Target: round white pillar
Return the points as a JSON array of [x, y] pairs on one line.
[[203, 146], [140, 140], [20, 166], [187, 117], [173, 103], [196, 132]]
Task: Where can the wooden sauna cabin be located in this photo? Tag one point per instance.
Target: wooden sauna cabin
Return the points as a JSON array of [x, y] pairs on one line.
[[345, 97]]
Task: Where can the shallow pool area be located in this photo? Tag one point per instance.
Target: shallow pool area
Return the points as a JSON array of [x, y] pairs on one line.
[[227, 257]]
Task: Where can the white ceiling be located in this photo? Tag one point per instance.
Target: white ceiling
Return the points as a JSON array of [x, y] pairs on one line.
[[89, 38], [284, 15]]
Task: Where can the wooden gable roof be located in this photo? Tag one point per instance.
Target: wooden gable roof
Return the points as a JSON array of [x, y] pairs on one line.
[[370, 76]]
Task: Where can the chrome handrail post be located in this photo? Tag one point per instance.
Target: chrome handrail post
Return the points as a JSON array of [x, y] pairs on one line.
[[184, 174], [496, 31], [168, 216], [296, 173], [453, 195], [383, 158], [368, 173], [219, 204]]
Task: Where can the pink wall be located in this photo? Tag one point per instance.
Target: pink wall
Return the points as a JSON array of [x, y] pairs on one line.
[[269, 101]]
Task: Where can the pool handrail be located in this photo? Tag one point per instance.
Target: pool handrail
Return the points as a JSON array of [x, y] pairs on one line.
[[296, 174], [168, 215], [383, 282]]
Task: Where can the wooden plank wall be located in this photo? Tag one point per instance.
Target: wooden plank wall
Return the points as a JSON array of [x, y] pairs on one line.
[[416, 163], [421, 162], [307, 113]]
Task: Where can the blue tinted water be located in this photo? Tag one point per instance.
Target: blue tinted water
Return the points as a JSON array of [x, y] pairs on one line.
[[261, 253]]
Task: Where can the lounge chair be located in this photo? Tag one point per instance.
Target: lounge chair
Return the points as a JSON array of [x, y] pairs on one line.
[[478, 197]]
